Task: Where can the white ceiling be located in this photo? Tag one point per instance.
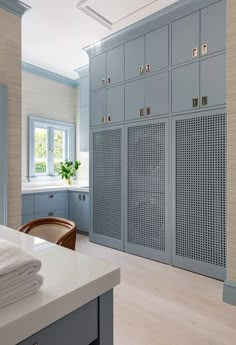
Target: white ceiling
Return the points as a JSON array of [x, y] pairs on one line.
[[55, 31]]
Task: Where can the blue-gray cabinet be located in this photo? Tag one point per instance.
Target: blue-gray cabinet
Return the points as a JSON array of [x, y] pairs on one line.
[[199, 34], [147, 53], [185, 87], [40, 205], [147, 97], [185, 38], [98, 106], [146, 201], [107, 186], [98, 71], [84, 129], [134, 58], [213, 28], [115, 104], [115, 65], [78, 209], [208, 76]]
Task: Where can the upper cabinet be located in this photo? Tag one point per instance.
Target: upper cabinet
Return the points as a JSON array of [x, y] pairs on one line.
[[213, 28], [107, 68], [148, 53], [115, 65], [98, 71], [199, 34], [185, 38]]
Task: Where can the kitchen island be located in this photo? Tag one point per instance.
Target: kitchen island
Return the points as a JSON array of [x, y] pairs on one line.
[[74, 305]]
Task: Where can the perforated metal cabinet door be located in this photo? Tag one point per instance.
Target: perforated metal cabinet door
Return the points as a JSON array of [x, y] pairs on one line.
[[106, 181], [146, 201], [199, 187]]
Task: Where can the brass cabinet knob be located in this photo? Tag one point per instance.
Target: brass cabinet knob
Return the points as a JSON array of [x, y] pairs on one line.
[[141, 70], [204, 49], [195, 52]]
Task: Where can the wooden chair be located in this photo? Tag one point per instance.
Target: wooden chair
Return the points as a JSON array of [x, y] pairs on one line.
[[56, 230]]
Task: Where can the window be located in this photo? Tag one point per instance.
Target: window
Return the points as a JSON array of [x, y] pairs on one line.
[[50, 142]]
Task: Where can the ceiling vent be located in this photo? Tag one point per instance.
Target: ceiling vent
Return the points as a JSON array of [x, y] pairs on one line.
[[94, 15]]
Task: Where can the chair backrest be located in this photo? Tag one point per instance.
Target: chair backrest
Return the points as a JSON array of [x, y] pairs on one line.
[[56, 230]]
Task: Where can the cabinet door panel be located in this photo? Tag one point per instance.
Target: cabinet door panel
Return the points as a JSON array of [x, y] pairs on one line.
[[116, 103], [213, 27], [84, 129], [98, 71], [147, 190], [85, 212], [116, 65], [157, 93], [134, 99], [134, 57], [213, 80], [157, 49], [74, 208], [51, 213], [27, 218], [98, 107], [185, 87], [185, 38], [27, 204], [49, 201], [84, 91], [107, 179]]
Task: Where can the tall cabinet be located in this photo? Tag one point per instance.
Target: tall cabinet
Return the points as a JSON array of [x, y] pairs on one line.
[[157, 137]]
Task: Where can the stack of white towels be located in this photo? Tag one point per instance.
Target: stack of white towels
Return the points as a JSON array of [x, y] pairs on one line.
[[19, 276]]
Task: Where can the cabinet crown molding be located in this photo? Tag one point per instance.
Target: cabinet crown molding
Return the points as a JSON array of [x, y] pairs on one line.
[[15, 7]]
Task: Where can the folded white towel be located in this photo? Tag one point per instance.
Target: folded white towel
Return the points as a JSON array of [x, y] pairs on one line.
[[16, 264], [18, 291]]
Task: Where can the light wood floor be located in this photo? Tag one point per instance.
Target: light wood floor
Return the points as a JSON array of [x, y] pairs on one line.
[[157, 304]]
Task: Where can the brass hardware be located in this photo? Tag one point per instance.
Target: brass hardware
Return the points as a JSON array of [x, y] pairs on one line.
[[109, 80], [103, 119], [108, 118], [195, 52], [148, 110], [204, 49], [141, 70], [148, 68], [50, 214], [204, 100], [141, 112], [195, 102], [83, 197], [51, 196], [103, 82]]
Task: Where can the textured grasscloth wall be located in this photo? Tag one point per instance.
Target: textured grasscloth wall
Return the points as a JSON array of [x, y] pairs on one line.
[[231, 140], [44, 98], [10, 74]]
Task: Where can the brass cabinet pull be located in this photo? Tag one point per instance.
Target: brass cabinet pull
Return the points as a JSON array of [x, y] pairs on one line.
[[103, 119], [141, 70], [109, 80], [141, 112], [204, 49], [79, 197], [83, 197], [148, 110], [195, 102], [50, 214], [108, 118], [195, 52], [51, 196], [204, 101], [148, 68], [103, 82]]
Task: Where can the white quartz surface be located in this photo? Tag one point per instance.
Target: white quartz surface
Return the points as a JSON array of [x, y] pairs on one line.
[[71, 279], [57, 188]]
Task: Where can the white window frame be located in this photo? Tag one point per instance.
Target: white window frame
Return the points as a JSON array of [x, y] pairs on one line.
[[50, 125]]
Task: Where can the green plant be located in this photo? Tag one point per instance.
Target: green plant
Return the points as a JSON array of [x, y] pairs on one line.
[[68, 169]]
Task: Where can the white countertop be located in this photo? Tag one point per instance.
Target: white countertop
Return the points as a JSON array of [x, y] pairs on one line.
[[57, 188], [71, 279]]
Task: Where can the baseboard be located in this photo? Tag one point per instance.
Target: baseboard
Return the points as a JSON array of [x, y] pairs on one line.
[[229, 293]]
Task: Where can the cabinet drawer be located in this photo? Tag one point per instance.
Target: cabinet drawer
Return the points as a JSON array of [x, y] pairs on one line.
[[51, 213], [27, 204], [78, 328], [49, 202]]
